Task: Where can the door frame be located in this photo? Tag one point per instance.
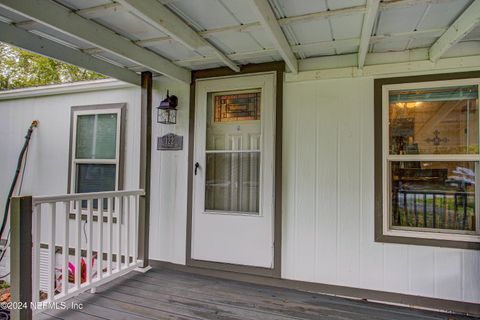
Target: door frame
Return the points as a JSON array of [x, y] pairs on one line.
[[278, 68]]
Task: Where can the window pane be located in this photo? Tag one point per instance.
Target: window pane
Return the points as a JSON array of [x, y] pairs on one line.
[[96, 136], [232, 182], [434, 121], [434, 195], [95, 178], [85, 134], [106, 136]]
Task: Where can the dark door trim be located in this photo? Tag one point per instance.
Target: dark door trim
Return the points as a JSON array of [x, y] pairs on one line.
[[279, 68]]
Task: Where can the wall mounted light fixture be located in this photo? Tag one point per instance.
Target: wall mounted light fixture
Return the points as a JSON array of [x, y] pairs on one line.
[[167, 110]]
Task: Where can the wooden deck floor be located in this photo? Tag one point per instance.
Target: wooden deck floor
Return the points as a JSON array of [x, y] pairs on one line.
[[166, 294]]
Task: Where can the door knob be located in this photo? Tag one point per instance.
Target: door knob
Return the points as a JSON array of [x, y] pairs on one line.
[[197, 165]]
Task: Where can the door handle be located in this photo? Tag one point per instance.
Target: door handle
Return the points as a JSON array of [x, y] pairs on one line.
[[197, 165]]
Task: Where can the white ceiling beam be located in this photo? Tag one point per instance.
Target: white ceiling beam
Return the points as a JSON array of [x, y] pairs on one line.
[[247, 27], [323, 45], [272, 28], [419, 34], [378, 58], [457, 31], [100, 11], [367, 28], [199, 61], [88, 13], [411, 35], [64, 20], [162, 18], [385, 5], [31, 42], [345, 66]]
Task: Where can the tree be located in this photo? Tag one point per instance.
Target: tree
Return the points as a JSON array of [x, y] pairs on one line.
[[20, 69]]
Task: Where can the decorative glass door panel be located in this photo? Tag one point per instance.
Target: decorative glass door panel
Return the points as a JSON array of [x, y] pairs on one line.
[[233, 152]]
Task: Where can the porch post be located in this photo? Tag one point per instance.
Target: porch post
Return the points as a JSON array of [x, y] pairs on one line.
[[21, 256], [145, 164]]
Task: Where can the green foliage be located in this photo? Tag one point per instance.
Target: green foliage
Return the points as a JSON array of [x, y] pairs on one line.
[[20, 69]]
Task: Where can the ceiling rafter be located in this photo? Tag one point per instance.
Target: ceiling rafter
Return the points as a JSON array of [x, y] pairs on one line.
[[408, 3], [162, 18], [107, 9], [104, 10], [32, 42], [320, 44], [367, 28], [88, 13], [457, 31], [64, 20], [272, 28]]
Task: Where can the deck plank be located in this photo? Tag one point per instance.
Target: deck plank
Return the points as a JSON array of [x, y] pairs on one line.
[[69, 314], [174, 295], [129, 308], [188, 307], [274, 309], [285, 299]]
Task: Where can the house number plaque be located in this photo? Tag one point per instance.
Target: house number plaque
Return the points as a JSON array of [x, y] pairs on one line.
[[170, 141]]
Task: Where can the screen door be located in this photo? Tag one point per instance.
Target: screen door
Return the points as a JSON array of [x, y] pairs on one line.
[[232, 219]]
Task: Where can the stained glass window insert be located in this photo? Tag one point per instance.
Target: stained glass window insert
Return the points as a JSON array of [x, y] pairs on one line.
[[237, 107]]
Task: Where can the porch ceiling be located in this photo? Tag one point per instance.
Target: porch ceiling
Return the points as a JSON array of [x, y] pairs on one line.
[[171, 37]]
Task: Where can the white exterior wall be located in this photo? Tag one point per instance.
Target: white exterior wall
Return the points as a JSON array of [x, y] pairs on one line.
[[328, 204], [168, 201], [48, 156], [328, 213]]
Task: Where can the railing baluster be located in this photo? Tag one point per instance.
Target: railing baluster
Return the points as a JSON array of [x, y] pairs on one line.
[[78, 245], [100, 240], [89, 240], [465, 203], [119, 234], [66, 235], [51, 252], [37, 223], [135, 229], [127, 229], [434, 214], [110, 235], [405, 208]]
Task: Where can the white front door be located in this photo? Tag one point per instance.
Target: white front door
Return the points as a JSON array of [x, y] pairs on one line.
[[233, 190]]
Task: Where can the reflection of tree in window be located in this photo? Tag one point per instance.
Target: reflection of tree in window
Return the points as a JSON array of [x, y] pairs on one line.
[[439, 195]]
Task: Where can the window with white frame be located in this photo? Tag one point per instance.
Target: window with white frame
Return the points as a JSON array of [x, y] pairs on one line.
[[430, 161], [95, 149]]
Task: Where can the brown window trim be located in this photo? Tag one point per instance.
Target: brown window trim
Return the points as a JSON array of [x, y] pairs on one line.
[[378, 125], [115, 106]]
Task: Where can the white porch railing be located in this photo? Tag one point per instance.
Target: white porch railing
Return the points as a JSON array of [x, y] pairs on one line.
[[83, 250]]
